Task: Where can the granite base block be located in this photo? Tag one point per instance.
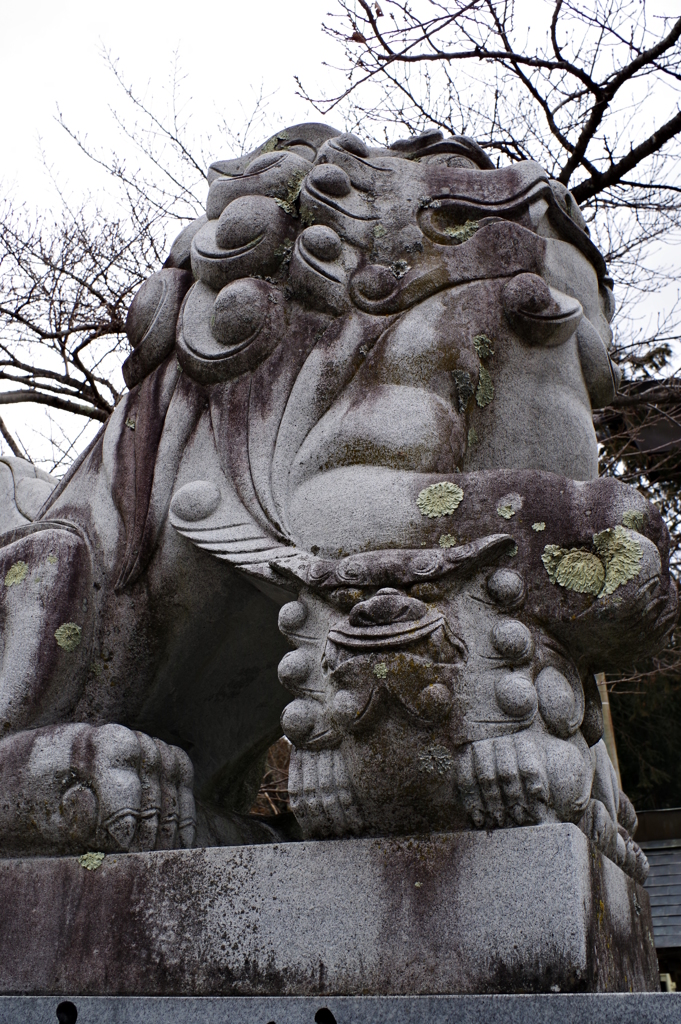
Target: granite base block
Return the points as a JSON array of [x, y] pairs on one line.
[[520, 910], [577, 1008]]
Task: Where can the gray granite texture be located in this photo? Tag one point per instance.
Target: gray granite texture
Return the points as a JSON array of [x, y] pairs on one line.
[[514, 910], [649, 1008]]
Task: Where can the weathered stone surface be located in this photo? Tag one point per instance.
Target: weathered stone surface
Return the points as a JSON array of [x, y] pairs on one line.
[[516, 910], [613, 1008]]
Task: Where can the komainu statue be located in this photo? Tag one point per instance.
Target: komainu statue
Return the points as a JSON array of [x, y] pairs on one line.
[[360, 399]]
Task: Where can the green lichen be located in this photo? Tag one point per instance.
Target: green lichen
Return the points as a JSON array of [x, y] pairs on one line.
[[509, 505], [551, 558], [379, 231], [513, 551], [91, 861], [617, 560], [472, 437], [485, 392], [130, 423], [461, 233], [439, 499], [483, 346], [68, 636], [436, 761], [574, 569], [273, 143], [381, 670], [293, 186], [16, 573], [635, 520], [464, 388], [538, 527], [400, 268], [285, 249], [581, 571], [52, 559], [447, 540], [621, 555]]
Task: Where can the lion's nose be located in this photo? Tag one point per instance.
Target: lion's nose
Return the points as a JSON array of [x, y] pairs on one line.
[[385, 607]]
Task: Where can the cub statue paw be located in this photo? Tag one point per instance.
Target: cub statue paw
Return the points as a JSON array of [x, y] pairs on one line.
[[67, 789]]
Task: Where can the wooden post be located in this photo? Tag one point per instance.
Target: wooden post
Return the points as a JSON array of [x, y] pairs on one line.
[[608, 731]]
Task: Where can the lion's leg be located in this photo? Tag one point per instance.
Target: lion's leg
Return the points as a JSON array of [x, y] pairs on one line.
[[67, 789], [45, 615]]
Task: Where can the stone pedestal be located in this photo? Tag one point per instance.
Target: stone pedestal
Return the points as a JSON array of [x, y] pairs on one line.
[[520, 910]]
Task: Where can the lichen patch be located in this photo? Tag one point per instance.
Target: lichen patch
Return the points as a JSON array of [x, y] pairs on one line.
[[621, 554], [381, 670], [538, 527], [581, 571], [436, 761], [551, 558], [483, 346], [91, 861], [439, 499], [574, 569], [16, 573], [447, 540], [634, 519], [464, 388], [485, 391], [509, 505], [472, 437], [68, 636], [617, 560], [461, 233]]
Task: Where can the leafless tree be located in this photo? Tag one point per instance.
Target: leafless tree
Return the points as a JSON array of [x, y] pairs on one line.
[[66, 280]]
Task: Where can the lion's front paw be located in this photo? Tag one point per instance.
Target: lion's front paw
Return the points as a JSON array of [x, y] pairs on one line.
[[72, 788]]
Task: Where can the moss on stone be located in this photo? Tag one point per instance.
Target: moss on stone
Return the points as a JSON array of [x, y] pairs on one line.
[[464, 388], [485, 392], [273, 143], [462, 232], [472, 437], [287, 201], [16, 573], [439, 499], [621, 555]]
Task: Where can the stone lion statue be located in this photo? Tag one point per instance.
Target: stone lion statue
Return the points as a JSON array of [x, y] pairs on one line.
[[360, 399]]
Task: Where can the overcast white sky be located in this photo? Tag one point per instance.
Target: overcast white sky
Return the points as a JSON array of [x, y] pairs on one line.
[[51, 55]]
